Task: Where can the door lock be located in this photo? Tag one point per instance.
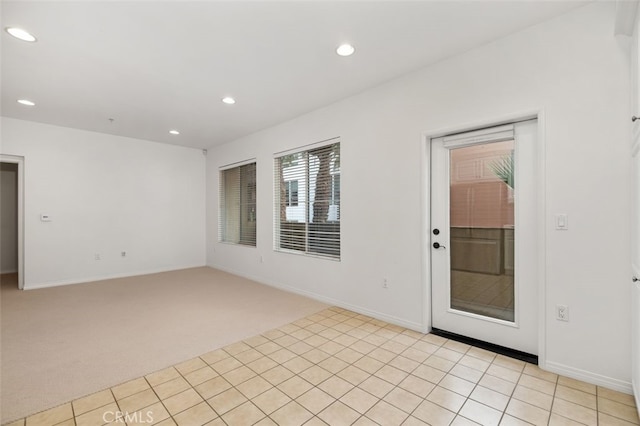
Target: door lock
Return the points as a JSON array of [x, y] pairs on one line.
[[437, 245]]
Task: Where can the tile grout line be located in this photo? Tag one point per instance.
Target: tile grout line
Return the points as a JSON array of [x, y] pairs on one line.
[[158, 396], [353, 364], [277, 364]]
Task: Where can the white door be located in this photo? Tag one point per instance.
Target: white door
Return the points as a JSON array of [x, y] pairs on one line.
[[484, 235]]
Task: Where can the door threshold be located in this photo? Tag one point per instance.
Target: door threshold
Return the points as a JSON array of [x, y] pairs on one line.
[[511, 353]]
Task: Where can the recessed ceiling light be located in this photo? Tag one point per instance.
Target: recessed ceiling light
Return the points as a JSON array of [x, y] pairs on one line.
[[21, 34], [26, 102], [174, 132], [228, 100], [345, 50]]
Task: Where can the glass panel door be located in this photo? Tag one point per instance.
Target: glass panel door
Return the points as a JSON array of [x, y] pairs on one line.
[[484, 235]]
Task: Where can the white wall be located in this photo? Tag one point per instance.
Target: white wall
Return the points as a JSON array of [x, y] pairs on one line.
[[8, 218], [106, 194], [573, 69]]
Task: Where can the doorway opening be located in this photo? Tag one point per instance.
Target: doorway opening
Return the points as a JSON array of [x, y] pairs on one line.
[[11, 222]]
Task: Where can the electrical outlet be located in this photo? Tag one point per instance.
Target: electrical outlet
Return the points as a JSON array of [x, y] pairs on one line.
[[562, 313], [97, 257], [385, 283]]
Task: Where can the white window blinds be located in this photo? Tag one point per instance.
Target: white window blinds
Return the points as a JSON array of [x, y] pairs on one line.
[[493, 134], [307, 201], [237, 216]]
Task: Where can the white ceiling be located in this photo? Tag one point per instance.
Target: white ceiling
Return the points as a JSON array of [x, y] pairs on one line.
[[153, 66]]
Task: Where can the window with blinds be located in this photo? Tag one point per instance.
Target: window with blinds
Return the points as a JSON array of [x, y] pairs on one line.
[[307, 201], [237, 217]]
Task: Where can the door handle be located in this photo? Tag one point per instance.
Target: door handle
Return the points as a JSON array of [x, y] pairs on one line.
[[437, 245]]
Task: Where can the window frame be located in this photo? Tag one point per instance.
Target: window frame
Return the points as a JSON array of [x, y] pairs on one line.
[[246, 198], [302, 235]]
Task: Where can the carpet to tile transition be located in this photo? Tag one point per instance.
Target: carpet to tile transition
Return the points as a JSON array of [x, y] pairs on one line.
[[65, 342]]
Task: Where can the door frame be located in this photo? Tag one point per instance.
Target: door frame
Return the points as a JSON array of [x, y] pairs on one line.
[[635, 273], [14, 159], [425, 147]]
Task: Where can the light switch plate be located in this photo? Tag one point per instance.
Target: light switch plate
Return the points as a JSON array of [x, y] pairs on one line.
[[562, 222]]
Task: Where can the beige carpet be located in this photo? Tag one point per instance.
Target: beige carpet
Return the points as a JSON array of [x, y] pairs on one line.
[[62, 343]]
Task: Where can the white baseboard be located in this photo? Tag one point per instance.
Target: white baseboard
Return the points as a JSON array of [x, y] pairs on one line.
[[107, 277], [330, 301], [589, 377], [637, 396]]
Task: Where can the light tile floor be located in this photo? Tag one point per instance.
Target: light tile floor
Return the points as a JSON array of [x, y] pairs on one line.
[[341, 368]]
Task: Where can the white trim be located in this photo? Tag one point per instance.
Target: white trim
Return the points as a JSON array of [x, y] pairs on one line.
[[307, 254], [238, 164], [476, 137], [481, 124], [636, 395], [541, 143], [228, 243], [415, 326], [479, 317], [307, 147], [425, 193], [589, 377], [19, 160], [109, 277], [537, 114]]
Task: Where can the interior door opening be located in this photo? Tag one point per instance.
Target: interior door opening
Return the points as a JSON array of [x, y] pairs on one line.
[[11, 221]]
